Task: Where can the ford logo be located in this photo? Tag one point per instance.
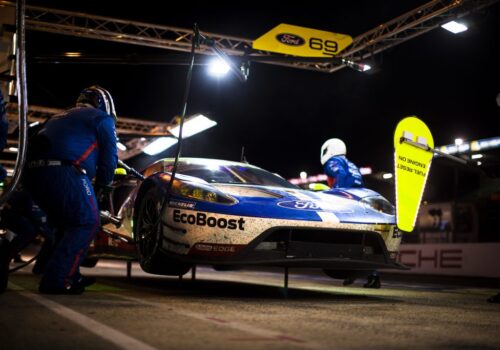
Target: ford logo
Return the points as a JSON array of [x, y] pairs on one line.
[[301, 205], [290, 39]]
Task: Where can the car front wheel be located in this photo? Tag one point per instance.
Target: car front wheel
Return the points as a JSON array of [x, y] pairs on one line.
[[149, 234]]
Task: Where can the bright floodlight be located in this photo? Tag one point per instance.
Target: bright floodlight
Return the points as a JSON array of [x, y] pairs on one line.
[[121, 146], [159, 145], [477, 156], [458, 142], [193, 125], [455, 27], [218, 68], [366, 67], [387, 176], [303, 175]]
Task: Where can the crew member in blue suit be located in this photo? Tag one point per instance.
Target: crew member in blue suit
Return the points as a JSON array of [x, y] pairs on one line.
[[342, 173], [71, 149]]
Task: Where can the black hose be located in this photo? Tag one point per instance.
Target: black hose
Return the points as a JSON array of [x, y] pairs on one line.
[[194, 43], [22, 103], [24, 264]]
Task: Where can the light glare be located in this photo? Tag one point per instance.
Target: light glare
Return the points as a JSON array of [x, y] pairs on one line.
[[218, 68], [159, 145], [193, 125], [455, 27]]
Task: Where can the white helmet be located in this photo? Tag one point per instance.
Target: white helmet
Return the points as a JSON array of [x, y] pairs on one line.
[[332, 147]]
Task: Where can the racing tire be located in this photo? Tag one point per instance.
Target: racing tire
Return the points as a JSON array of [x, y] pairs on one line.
[[89, 262], [149, 232]]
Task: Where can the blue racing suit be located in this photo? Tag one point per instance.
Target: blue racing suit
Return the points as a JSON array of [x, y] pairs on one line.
[[342, 173], [80, 144]]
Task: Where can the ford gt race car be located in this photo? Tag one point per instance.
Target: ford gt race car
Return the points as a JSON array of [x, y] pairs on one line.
[[229, 214]]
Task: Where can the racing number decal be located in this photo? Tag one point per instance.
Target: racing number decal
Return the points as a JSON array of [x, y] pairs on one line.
[[328, 47], [301, 41]]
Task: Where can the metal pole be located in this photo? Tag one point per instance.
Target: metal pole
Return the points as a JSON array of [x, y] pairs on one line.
[[129, 269]]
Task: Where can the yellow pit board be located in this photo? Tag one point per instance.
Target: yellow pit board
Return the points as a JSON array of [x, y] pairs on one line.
[[412, 165], [300, 41]]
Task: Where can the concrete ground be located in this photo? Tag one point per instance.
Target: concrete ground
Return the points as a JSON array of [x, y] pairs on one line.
[[249, 310]]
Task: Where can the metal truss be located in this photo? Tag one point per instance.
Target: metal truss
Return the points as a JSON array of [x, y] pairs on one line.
[[135, 134], [384, 36]]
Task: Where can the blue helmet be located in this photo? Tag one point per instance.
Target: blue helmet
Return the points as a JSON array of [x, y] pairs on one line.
[[98, 97]]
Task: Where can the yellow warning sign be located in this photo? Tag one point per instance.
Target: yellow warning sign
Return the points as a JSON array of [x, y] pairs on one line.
[[300, 41], [413, 144]]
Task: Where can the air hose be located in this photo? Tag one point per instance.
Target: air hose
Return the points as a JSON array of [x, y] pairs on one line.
[[194, 43], [22, 103]]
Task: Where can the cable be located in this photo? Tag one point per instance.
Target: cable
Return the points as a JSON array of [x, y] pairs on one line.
[[24, 264], [22, 104], [194, 44]]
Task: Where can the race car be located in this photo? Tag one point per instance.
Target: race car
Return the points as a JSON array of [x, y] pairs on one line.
[[230, 214]]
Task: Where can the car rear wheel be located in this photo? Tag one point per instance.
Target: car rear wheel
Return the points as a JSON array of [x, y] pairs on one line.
[[148, 233]]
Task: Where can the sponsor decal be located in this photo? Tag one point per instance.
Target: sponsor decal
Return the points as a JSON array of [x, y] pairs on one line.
[[436, 258], [301, 205], [202, 219], [314, 206], [86, 186], [290, 39], [215, 248], [180, 204]]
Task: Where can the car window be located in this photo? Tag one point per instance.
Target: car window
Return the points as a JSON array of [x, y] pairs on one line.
[[227, 173]]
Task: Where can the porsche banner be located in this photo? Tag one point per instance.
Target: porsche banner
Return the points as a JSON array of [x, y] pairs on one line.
[[300, 41], [412, 162]]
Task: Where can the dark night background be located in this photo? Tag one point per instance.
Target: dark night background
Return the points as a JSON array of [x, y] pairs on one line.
[[283, 115]]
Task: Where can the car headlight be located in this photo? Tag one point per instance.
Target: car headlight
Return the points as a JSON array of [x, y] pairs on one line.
[[201, 192], [380, 204]]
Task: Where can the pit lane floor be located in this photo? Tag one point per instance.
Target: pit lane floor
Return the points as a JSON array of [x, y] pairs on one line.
[[247, 310]]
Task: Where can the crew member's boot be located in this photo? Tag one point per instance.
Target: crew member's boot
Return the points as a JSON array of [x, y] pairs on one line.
[[4, 263], [373, 281]]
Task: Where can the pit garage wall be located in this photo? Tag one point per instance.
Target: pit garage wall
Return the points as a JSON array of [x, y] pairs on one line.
[[454, 259]]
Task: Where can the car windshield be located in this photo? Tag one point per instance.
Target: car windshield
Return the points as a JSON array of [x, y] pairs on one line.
[[229, 173]]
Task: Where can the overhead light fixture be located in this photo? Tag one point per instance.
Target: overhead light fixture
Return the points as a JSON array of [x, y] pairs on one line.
[[360, 67], [366, 170], [193, 125], [455, 27], [218, 67], [365, 67], [476, 156], [387, 176], [303, 175], [121, 146], [73, 54], [159, 145], [458, 142]]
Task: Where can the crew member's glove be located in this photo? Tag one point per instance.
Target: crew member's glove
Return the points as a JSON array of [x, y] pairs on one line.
[[102, 194]]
